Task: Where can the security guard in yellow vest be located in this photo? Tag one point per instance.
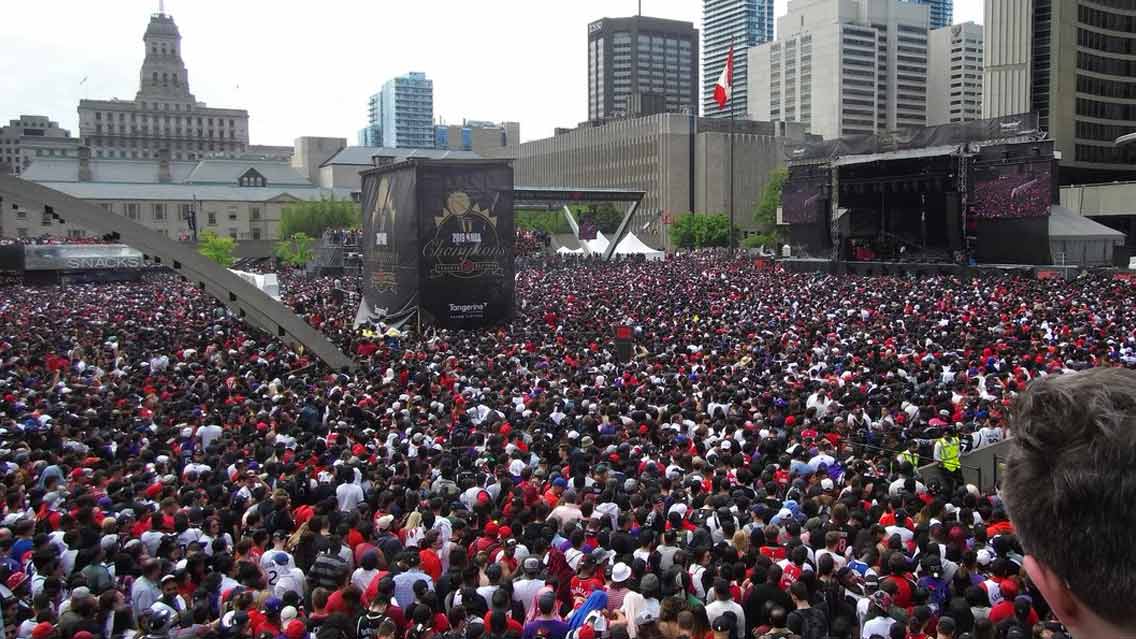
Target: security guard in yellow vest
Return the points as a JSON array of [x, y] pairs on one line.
[[948, 450], [911, 455]]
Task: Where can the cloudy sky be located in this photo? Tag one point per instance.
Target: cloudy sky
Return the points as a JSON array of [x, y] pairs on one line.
[[306, 67]]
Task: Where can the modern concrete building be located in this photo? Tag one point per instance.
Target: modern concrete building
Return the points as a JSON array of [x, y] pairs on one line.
[[342, 170], [629, 58], [954, 74], [731, 23], [682, 162], [312, 151], [844, 67], [164, 115], [942, 12], [1071, 62], [475, 135], [30, 137], [401, 114], [242, 199]]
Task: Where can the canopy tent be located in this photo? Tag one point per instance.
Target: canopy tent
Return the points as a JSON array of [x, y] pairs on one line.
[[1077, 240], [632, 245]]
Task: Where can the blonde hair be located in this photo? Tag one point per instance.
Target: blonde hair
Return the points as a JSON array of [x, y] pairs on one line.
[[741, 542]]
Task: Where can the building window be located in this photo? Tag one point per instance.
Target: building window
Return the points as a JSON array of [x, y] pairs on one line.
[[159, 212], [256, 234], [132, 211], [46, 219], [76, 234], [233, 233], [212, 218], [254, 214], [107, 206]]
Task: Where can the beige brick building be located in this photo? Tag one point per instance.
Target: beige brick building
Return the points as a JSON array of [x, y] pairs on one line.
[[243, 199]]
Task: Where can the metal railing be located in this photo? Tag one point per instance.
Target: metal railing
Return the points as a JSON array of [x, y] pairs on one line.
[[930, 462]]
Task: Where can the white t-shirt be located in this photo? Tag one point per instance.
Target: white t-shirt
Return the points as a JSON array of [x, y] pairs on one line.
[[878, 626], [208, 433], [349, 496], [905, 535]]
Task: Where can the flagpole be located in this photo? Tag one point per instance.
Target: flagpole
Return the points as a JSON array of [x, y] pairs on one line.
[[730, 96]]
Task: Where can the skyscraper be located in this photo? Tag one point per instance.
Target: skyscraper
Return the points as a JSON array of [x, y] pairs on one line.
[[164, 115], [372, 134], [942, 12], [401, 114], [641, 56], [740, 24], [1067, 61], [844, 67], [954, 75]]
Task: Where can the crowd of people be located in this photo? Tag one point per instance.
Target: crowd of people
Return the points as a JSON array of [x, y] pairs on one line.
[[1014, 195], [749, 472]]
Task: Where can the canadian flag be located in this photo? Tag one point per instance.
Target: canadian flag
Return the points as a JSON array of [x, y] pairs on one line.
[[725, 86]]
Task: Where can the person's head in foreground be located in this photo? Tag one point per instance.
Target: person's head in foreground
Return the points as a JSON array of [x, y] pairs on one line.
[[1070, 488]]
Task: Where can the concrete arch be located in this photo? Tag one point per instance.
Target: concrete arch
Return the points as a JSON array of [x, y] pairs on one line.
[[255, 307]]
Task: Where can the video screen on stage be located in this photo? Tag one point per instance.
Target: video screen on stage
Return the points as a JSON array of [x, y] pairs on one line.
[[1016, 190], [802, 199]]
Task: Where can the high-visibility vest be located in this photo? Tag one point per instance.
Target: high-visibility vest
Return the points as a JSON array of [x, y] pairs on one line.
[[909, 457], [949, 453]]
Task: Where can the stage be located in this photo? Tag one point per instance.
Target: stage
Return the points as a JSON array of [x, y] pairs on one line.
[[845, 267]]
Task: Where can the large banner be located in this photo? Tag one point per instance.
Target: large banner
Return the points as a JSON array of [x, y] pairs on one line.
[[81, 257], [1010, 126], [390, 244], [1015, 190], [466, 229]]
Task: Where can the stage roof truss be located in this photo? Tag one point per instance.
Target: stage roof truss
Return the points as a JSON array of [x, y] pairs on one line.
[[905, 154]]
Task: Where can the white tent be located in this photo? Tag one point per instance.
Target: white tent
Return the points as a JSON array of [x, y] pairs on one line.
[[632, 245], [565, 250], [266, 282], [596, 246]]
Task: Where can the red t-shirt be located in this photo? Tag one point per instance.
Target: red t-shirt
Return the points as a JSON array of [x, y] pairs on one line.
[[431, 564], [512, 626], [581, 588]]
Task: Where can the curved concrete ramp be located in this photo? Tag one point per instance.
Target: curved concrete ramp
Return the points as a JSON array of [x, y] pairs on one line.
[[246, 300]]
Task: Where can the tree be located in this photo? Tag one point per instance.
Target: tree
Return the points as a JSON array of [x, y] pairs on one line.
[[217, 248], [765, 213], [296, 250], [692, 230], [314, 217]]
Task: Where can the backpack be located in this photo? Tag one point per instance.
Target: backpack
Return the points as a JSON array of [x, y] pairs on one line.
[[814, 625]]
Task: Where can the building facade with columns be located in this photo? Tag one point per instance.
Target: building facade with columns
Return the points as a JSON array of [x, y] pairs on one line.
[[164, 114]]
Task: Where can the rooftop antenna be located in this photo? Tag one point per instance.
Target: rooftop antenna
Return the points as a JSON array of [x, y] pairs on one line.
[[161, 7], [640, 8]]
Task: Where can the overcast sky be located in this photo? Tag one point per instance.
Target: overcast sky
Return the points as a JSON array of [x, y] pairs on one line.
[[306, 67]]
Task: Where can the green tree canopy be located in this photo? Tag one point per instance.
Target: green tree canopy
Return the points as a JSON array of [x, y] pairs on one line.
[[314, 217], [692, 230], [765, 213], [217, 248], [296, 250]]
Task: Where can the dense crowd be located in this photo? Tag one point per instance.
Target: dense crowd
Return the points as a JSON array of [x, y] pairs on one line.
[[1013, 196], [749, 472]]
